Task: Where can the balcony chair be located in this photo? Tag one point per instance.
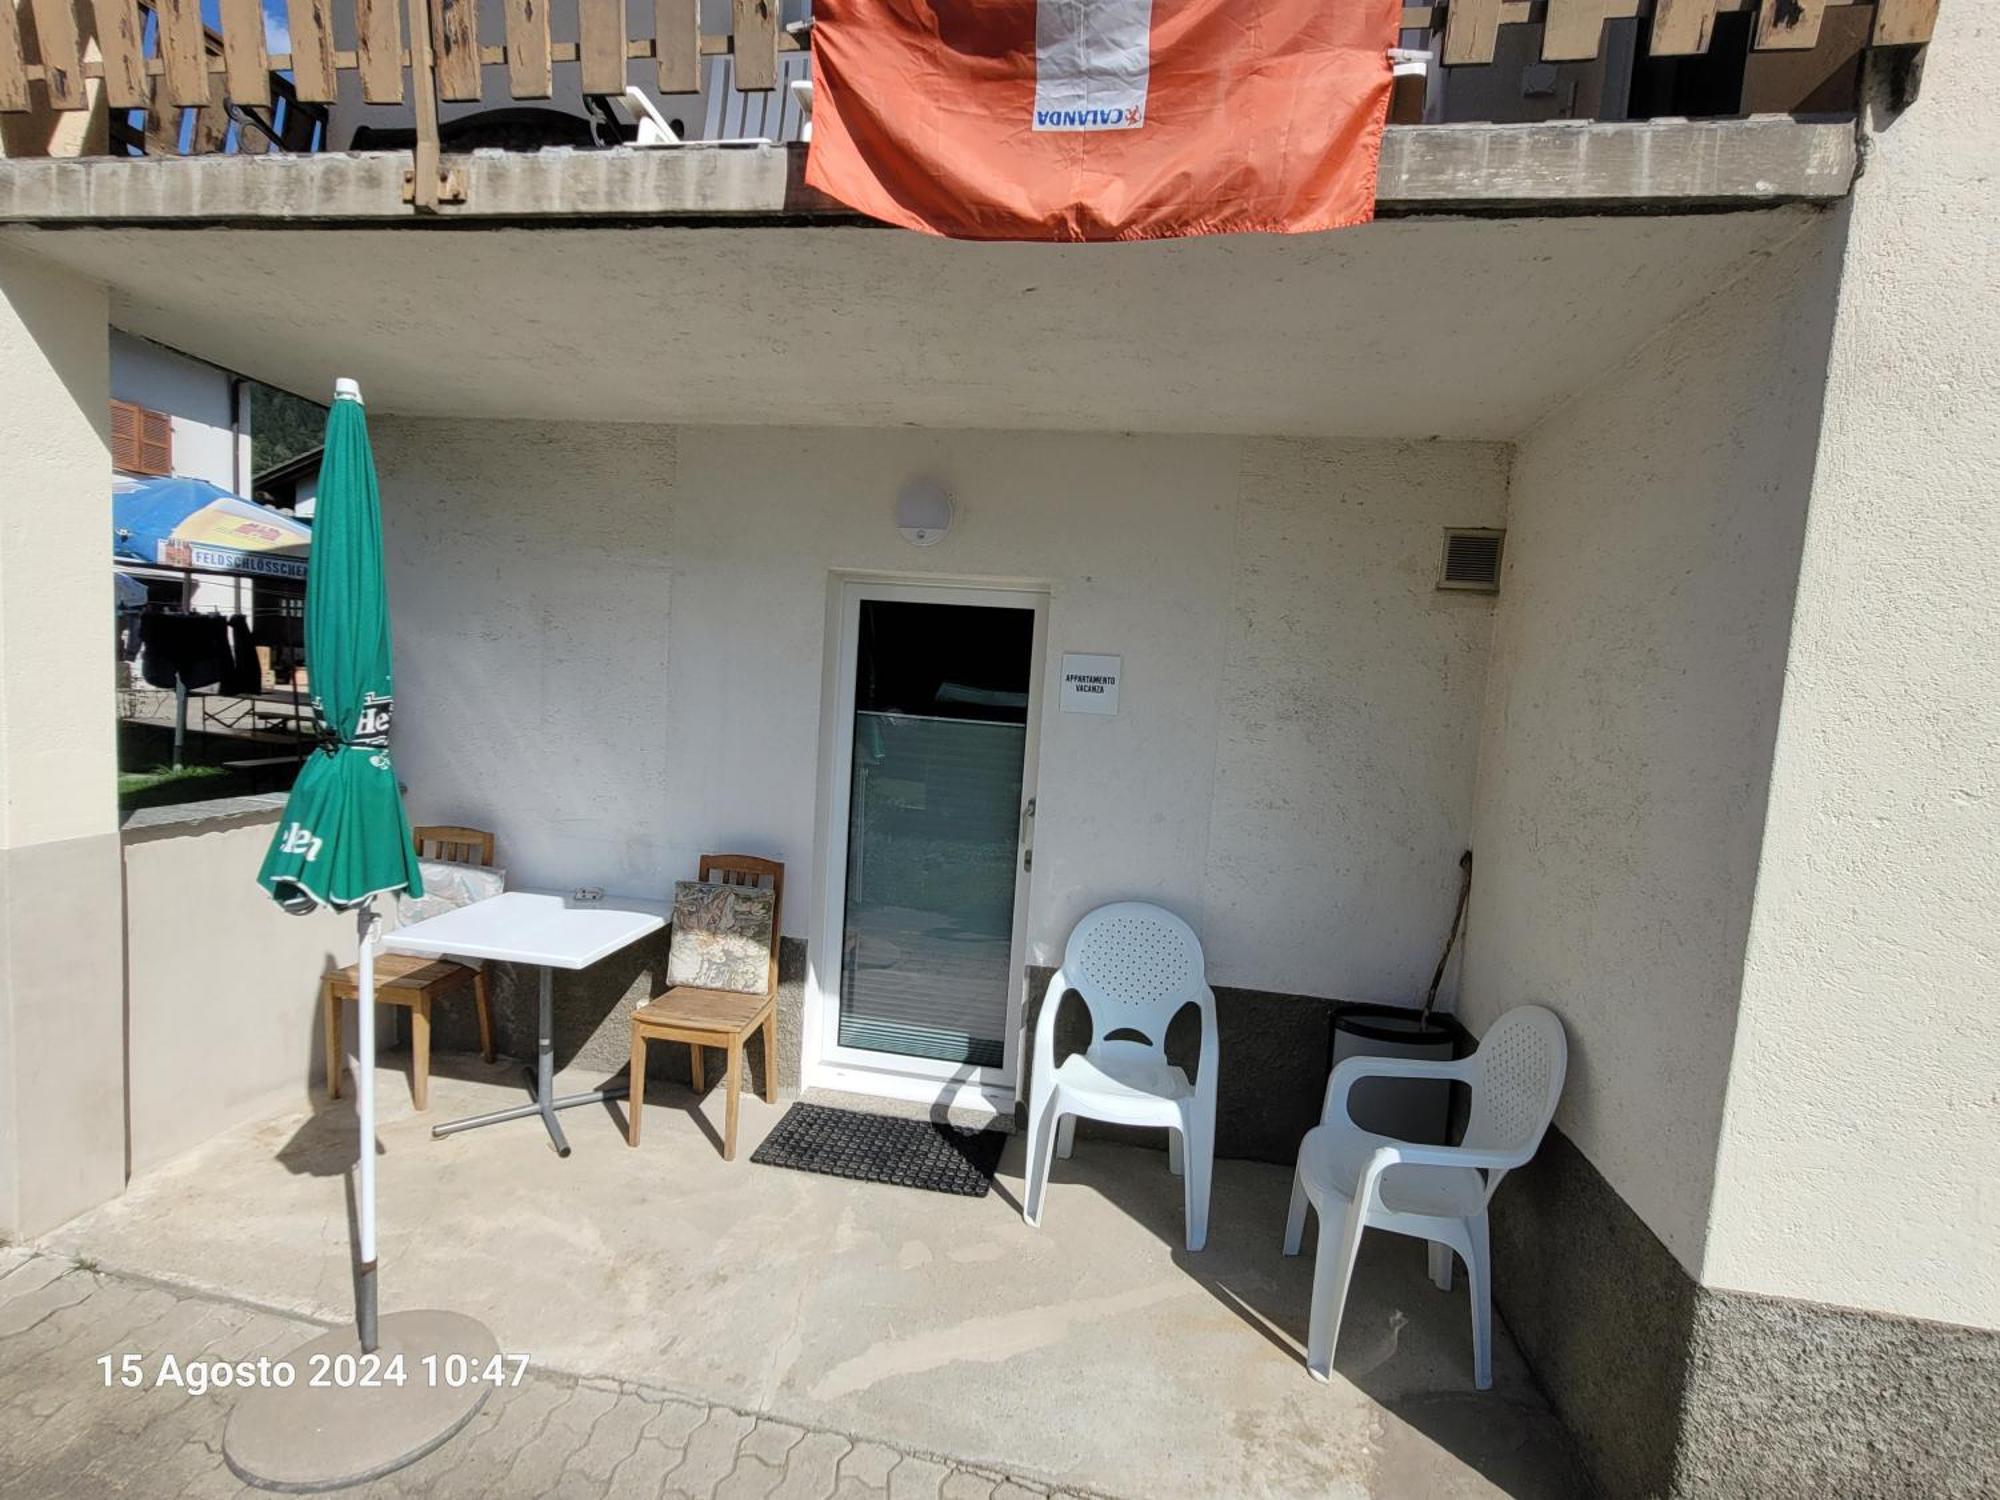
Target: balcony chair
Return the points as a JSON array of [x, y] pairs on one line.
[[1134, 965], [729, 994], [1358, 1180], [411, 982]]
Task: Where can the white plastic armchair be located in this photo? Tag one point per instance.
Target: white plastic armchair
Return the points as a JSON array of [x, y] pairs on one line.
[[1135, 966], [1356, 1180]]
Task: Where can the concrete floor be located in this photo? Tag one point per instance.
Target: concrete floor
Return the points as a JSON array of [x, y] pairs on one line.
[[1093, 1353], [64, 1432]]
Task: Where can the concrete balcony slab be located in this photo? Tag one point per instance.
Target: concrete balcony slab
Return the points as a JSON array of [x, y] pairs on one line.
[[1655, 166]]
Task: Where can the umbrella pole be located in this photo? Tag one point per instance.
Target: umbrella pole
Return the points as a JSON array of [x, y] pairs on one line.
[[302, 1436], [431, 1367], [364, 1105]]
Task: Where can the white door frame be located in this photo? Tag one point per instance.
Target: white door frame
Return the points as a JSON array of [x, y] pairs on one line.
[[824, 1063]]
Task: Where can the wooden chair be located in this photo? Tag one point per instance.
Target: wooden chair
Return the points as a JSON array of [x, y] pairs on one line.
[[715, 1018], [413, 982]]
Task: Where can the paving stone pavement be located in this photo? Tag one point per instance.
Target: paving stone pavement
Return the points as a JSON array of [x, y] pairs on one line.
[[64, 1433]]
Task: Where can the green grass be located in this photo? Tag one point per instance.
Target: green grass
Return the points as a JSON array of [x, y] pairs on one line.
[[147, 778]]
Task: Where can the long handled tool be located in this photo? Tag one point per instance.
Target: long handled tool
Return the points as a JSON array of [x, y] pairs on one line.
[[1458, 919]]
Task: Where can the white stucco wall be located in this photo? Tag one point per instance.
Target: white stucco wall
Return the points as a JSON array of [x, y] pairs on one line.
[[1860, 1152], [198, 398], [61, 1126], [55, 516], [610, 650], [1638, 659], [223, 1022], [1349, 715]]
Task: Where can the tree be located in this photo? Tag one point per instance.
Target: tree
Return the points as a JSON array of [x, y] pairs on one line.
[[282, 426]]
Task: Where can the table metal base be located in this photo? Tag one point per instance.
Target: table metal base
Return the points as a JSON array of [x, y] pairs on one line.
[[541, 1084]]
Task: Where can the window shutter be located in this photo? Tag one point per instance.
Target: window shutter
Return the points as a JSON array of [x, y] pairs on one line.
[[156, 442], [142, 441], [124, 437]]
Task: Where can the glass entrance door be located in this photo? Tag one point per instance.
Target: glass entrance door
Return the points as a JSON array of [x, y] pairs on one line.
[[937, 701]]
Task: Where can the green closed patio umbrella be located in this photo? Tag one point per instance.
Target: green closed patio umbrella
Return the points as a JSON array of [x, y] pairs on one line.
[[343, 839], [342, 842]]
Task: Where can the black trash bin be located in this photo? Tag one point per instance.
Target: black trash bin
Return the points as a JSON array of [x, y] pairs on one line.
[[1406, 1109]]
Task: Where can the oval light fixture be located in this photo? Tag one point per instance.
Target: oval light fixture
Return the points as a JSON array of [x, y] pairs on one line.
[[923, 512]]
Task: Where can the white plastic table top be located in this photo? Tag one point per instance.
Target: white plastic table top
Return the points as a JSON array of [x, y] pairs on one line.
[[546, 928]]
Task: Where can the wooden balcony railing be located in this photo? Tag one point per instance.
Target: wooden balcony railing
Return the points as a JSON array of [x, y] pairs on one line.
[[204, 91], [157, 56]]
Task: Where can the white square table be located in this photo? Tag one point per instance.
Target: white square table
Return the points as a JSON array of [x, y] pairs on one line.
[[550, 931]]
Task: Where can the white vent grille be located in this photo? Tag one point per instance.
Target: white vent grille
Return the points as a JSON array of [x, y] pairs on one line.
[[1471, 560]]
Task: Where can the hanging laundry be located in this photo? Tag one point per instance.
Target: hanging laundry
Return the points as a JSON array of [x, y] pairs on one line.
[[159, 648], [245, 675], [1101, 119], [191, 650], [208, 656]]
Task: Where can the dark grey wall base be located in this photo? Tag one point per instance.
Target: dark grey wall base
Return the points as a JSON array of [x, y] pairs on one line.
[[1673, 1389], [1602, 1311], [1274, 1047], [1798, 1398], [593, 1013]]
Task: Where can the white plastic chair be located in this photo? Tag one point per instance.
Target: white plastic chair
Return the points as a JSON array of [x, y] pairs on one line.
[[1135, 965], [1356, 1179]]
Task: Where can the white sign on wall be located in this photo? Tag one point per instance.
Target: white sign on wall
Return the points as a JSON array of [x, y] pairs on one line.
[[1090, 684]]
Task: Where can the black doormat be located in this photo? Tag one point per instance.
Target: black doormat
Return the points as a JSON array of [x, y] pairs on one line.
[[881, 1148]]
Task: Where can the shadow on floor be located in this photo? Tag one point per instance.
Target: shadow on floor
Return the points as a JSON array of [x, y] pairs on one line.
[[1405, 1345], [324, 1145], [1394, 1345]]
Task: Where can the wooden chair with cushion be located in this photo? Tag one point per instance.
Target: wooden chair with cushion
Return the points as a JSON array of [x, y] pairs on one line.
[[721, 1008], [412, 982]]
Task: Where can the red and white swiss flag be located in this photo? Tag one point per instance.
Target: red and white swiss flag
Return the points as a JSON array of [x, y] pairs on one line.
[[1101, 119]]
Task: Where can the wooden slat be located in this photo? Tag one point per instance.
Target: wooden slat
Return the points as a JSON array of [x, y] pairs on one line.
[[601, 45], [1681, 28], [62, 58], [184, 48], [1574, 30], [707, 1012], [121, 37], [1470, 29], [244, 54], [456, 43], [677, 30], [756, 32], [312, 49], [13, 66], [1904, 23], [424, 173], [1823, 81], [1417, 17], [211, 130], [163, 124], [1788, 25], [378, 34], [528, 75]]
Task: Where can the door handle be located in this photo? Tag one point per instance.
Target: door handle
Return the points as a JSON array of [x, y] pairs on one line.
[[1028, 835]]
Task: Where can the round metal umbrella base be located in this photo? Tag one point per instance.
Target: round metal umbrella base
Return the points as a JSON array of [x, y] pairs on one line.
[[435, 1371]]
